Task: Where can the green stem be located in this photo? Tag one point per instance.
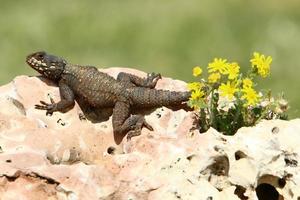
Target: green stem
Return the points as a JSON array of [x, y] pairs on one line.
[[212, 110], [263, 114], [203, 123], [237, 114]]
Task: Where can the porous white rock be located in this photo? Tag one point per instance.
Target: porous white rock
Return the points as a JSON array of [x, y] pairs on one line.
[[64, 156]]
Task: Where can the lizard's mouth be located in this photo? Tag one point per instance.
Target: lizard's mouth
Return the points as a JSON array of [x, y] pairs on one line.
[[36, 64]]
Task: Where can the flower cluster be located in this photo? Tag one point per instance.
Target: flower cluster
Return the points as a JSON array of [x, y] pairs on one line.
[[261, 64], [220, 70], [227, 89]]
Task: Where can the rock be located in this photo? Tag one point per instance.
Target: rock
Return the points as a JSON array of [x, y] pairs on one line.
[[65, 156]]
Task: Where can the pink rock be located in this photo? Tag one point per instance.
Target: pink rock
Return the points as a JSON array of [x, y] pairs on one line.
[[64, 157], [69, 151]]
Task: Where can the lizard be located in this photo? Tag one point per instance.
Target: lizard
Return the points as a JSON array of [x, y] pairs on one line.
[[100, 90]]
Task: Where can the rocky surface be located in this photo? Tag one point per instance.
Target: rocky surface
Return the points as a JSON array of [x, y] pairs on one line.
[[65, 156]]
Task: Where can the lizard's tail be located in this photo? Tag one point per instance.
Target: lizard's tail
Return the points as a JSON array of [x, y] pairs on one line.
[[144, 97]]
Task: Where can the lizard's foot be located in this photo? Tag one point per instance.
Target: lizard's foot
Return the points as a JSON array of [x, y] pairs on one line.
[[137, 128], [133, 133], [152, 79], [49, 107]]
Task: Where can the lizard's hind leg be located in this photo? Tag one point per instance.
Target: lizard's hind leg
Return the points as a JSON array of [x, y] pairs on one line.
[[123, 122], [148, 82]]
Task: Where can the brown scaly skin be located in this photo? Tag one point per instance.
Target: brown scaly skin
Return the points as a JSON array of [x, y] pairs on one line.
[[100, 90]]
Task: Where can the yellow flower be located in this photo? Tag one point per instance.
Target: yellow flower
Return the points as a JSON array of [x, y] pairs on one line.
[[250, 95], [232, 70], [261, 64], [247, 82], [228, 90], [218, 65], [214, 77], [194, 86], [197, 71], [197, 94]]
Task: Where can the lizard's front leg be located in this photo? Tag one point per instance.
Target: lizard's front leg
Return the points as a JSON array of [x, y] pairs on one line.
[[67, 100], [123, 122]]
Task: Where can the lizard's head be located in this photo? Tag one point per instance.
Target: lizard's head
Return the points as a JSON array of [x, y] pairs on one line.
[[47, 65]]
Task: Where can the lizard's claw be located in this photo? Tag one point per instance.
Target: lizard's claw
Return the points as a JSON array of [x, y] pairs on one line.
[[133, 133], [153, 76], [152, 79], [138, 128], [49, 107], [148, 126]]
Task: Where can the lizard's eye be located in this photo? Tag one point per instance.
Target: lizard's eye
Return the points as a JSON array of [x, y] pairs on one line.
[[40, 56]]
